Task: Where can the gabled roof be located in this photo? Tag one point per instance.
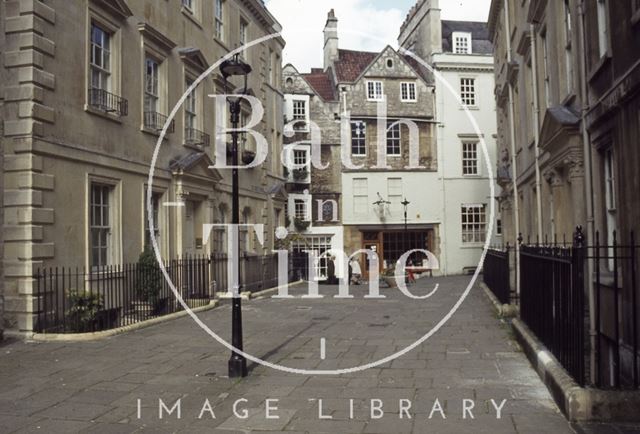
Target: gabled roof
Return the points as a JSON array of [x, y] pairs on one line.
[[480, 41], [322, 83], [351, 64]]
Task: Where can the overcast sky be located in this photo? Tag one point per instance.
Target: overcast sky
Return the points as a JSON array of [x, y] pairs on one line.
[[362, 24]]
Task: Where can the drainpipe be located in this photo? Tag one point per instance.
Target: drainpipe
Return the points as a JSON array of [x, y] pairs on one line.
[[588, 172], [536, 127], [514, 176]]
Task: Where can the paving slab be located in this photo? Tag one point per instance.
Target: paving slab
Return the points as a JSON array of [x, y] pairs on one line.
[[95, 386]]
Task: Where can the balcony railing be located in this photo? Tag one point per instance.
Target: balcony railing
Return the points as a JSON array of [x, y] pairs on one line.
[[194, 137], [108, 102], [156, 121]]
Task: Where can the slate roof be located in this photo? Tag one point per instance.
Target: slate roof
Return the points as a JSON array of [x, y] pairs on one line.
[[322, 83], [480, 41], [564, 115]]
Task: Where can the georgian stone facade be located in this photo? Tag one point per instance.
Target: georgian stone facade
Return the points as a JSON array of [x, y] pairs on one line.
[[86, 87], [538, 93]]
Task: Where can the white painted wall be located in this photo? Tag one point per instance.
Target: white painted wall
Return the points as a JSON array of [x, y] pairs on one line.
[[422, 189], [455, 126]]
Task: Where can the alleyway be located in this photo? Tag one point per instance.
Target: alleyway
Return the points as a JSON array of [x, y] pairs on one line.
[[94, 386]]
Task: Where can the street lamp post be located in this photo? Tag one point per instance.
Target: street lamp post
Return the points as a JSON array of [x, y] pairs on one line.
[[405, 203], [229, 68]]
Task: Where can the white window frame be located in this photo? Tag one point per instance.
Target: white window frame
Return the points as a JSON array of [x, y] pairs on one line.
[[151, 89], [219, 20], [300, 209], [294, 114], [473, 223], [395, 194], [603, 27], [318, 244], [610, 200], [242, 36], [189, 5], [394, 138], [461, 43], [568, 31], [545, 68], [300, 158], [101, 63], [408, 91], [158, 219], [190, 107], [360, 187], [113, 226], [470, 166], [375, 90], [468, 91], [359, 141]]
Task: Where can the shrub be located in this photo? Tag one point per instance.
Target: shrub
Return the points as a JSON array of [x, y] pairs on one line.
[[150, 282], [83, 309]]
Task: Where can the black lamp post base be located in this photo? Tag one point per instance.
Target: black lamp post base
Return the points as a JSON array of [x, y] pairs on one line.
[[237, 366]]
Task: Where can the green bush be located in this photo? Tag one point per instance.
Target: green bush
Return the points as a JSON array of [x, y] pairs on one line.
[[83, 309], [150, 277]]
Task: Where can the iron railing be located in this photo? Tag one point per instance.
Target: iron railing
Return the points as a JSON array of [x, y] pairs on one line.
[[616, 312], [495, 272], [156, 121], [552, 301], [554, 286], [80, 300], [108, 102], [195, 137]]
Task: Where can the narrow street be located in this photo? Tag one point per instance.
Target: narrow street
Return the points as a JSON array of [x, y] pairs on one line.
[[95, 386]]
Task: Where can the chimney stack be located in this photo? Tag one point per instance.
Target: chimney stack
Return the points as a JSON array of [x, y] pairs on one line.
[[330, 40]]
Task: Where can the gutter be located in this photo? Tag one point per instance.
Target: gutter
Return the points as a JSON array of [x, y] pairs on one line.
[[588, 173], [536, 127], [516, 199]]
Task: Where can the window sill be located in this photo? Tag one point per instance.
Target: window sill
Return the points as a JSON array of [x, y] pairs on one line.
[[94, 111], [469, 107], [474, 177], [191, 15], [472, 245], [199, 148], [599, 67], [153, 132], [410, 101]]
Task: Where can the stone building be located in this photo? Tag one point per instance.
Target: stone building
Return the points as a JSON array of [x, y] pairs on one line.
[[87, 87], [612, 121], [394, 199], [567, 89], [539, 99], [384, 173], [461, 55], [314, 195]]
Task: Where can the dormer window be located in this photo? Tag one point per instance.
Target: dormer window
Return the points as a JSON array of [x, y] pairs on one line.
[[461, 42]]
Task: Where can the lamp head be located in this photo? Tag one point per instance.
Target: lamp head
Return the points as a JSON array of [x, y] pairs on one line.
[[234, 67]]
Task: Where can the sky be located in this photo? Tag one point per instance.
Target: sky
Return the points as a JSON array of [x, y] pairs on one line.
[[367, 25]]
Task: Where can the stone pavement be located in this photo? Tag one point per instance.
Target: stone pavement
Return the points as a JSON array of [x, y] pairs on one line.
[[95, 386]]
